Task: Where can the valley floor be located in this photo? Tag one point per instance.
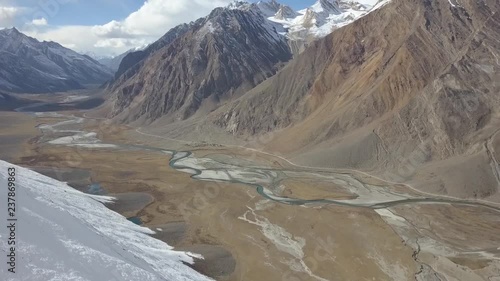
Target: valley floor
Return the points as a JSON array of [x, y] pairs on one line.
[[272, 233]]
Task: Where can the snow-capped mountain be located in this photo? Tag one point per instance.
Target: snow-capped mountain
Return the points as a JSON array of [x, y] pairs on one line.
[[113, 62], [27, 65], [198, 66], [318, 20], [63, 234]]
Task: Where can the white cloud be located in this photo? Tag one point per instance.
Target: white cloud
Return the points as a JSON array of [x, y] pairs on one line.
[[39, 22], [113, 29], [79, 37], [157, 14], [155, 17], [145, 25], [8, 15], [120, 43], [69, 46]]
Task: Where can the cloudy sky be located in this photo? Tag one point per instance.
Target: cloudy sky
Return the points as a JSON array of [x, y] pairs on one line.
[[105, 27]]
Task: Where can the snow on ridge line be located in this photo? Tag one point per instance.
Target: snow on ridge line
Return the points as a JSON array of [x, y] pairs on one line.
[[64, 234], [379, 5]]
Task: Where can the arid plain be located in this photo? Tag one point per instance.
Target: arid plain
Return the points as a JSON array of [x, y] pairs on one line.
[[244, 235]]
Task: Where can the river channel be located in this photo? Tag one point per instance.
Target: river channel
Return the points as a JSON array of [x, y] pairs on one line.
[[267, 181]]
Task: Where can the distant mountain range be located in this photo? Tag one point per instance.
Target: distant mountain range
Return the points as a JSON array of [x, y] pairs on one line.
[[30, 66], [37, 67], [113, 63]]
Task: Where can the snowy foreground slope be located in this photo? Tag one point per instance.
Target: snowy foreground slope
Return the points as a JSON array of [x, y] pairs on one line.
[[63, 234]]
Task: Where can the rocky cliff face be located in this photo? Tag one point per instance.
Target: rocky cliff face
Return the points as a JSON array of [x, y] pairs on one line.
[[217, 58], [27, 65]]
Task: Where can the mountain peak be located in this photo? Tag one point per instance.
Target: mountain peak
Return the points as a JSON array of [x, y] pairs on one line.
[[270, 2], [326, 6], [285, 12], [11, 31], [269, 8]]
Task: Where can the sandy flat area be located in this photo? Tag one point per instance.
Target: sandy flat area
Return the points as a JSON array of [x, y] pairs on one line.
[[15, 129]]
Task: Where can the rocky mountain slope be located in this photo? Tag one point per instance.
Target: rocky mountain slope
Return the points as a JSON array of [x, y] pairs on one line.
[[27, 65], [409, 92], [134, 60], [196, 66]]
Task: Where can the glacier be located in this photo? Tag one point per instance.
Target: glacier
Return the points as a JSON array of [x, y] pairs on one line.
[[64, 234]]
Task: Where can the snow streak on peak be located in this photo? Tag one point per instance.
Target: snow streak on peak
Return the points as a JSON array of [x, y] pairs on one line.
[[64, 234], [269, 8], [237, 4]]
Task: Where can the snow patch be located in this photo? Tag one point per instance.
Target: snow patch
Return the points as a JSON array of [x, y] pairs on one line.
[[69, 235], [207, 28]]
